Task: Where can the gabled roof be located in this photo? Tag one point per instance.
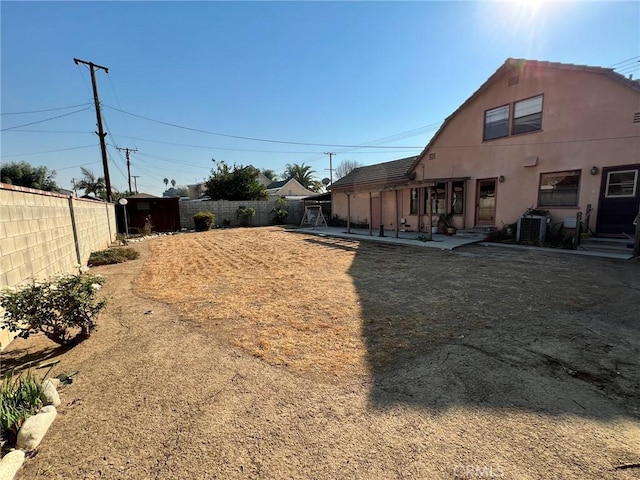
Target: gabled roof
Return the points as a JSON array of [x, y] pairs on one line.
[[524, 66], [142, 195], [380, 173], [277, 184]]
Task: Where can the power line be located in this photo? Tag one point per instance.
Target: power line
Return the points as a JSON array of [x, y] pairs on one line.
[[46, 151], [254, 139], [46, 110], [45, 120], [624, 61], [49, 131]]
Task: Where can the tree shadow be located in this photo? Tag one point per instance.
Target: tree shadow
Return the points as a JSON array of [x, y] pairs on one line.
[[39, 356], [534, 331]]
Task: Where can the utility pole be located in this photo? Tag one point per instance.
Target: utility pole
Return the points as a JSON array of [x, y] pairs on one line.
[[331, 154], [100, 132], [127, 151], [135, 181], [75, 189]]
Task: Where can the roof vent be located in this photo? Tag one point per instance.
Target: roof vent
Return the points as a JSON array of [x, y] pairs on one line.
[[432, 156], [514, 80], [636, 117]]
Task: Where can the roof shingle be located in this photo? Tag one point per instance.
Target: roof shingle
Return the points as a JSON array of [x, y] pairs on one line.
[[379, 173]]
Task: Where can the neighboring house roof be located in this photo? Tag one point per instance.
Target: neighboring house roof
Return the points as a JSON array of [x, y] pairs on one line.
[[142, 195], [523, 67], [277, 184], [380, 173], [263, 179], [289, 187]]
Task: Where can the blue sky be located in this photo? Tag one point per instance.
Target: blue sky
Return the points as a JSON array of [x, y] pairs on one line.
[[330, 73]]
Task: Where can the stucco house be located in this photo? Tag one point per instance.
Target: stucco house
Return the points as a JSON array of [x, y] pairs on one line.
[[564, 138], [289, 188]]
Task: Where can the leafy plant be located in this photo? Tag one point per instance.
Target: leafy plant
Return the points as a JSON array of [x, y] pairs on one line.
[[245, 214], [20, 397], [280, 211], [112, 255], [55, 307], [237, 183], [147, 229], [203, 221]]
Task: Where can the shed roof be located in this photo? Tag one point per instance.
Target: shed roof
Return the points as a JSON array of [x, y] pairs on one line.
[[379, 173]]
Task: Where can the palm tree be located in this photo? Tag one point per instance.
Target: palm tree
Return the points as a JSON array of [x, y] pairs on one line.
[[302, 173], [166, 183], [92, 184], [270, 174], [173, 183]]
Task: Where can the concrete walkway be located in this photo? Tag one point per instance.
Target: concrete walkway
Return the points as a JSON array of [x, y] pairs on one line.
[[445, 242]]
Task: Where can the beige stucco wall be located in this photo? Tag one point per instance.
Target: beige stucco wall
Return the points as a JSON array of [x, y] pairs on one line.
[[587, 121], [36, 235], [580, 109]]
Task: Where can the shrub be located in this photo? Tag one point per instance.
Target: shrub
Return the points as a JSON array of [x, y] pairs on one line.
[[203, 221], [280, 211], [54, 307], [245, 214], [112, 255], [20, 397]]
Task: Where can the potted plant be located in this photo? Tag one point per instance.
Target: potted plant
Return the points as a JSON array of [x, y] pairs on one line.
[[445, 223]]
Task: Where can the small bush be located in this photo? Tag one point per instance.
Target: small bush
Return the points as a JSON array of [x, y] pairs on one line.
[[245, 214], [203, 221], [112, 255], [56, 307], [280, 211], [20, 397]]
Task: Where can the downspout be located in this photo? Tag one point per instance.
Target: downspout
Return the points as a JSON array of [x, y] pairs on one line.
[[381, 215]]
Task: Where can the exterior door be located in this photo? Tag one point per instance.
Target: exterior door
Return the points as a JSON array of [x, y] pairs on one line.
[[619, 200], [486, 202]]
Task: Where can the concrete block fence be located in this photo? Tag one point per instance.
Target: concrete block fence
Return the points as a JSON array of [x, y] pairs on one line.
[[225, 209], [46, 233]]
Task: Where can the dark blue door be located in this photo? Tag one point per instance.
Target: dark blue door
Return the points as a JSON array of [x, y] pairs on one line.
[[619, 200]]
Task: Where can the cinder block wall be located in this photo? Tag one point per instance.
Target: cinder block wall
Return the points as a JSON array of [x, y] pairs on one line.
[[37, 239], [225, 209]]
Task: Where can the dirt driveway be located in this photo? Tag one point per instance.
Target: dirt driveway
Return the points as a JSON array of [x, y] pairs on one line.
[[260, 353]]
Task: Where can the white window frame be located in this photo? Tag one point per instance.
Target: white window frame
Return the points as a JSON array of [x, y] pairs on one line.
[[635, 184]]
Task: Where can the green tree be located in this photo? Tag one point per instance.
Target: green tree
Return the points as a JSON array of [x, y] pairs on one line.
[[24, 174], [92, 184], [237, 183], [302, 173], [270, 174]]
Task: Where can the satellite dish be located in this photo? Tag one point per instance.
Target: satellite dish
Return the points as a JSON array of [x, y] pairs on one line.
[[326, 181]]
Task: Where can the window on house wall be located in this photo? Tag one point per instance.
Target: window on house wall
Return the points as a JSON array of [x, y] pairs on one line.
[[496, 123], [438, 199], [559, 189], [621, 184], [457, 198], [527, 115], [413, 206]]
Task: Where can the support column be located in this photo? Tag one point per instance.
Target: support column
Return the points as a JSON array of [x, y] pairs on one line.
[[348, 213], [370, 215], [397, 215]]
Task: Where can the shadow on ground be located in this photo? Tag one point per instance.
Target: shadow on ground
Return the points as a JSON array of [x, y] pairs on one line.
[[487, 327]]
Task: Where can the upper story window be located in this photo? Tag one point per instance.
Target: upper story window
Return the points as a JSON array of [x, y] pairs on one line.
[[496, 123], [526, 117]]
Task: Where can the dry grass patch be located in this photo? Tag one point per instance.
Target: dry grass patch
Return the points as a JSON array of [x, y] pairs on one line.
[[283, 299]]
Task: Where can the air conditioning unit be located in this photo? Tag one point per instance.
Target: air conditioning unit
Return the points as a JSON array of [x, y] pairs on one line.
[[532, 228]]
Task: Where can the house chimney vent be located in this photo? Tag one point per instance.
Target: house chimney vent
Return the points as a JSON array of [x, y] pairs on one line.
[[514, 80], [636, 117]]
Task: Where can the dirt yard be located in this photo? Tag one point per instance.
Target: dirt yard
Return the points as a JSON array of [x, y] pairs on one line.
[[262, 353]]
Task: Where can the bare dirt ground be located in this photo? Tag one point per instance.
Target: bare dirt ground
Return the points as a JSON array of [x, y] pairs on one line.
[[260, 353]]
